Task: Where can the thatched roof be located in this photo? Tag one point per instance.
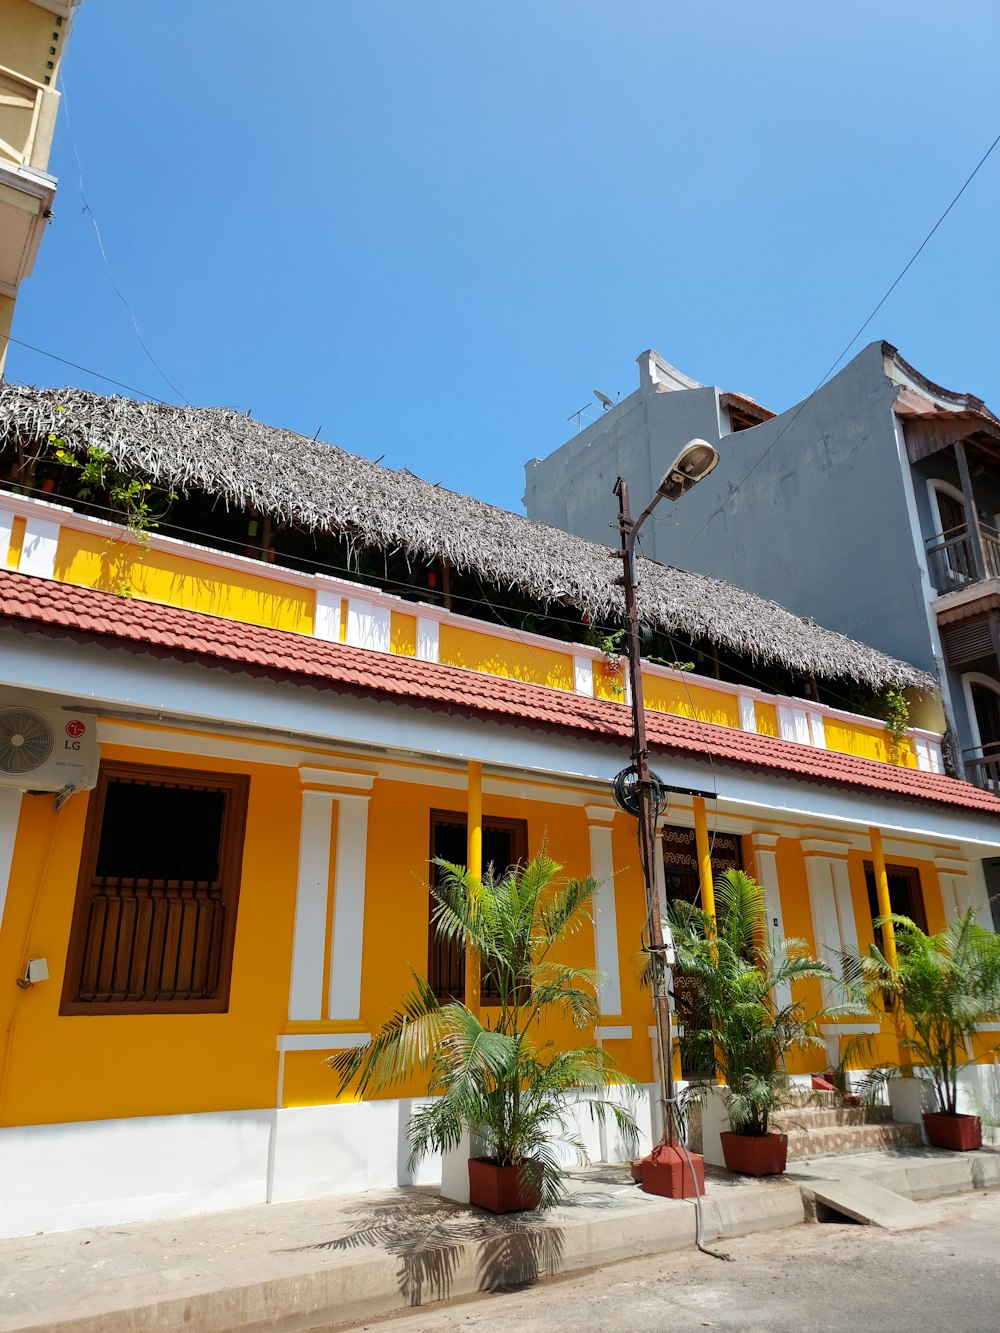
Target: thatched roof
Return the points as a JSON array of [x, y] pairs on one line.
[[313, 485]]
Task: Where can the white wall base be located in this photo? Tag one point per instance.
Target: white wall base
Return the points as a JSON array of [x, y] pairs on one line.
[[104, 1172], [109, 1172], [714, 1123]]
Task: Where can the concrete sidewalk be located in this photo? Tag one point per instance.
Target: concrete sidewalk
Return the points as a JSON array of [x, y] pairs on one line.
[[338, 1260]]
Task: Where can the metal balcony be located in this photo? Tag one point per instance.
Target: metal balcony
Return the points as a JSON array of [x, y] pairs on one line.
[[982, 766], [961, 557]]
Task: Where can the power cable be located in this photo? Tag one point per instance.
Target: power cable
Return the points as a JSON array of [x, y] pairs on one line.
[[801, 407], [104, 256], [153, 397]]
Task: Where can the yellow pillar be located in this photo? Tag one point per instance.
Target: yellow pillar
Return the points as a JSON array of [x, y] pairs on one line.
[[704, 856], [474, 865], [882, 890]]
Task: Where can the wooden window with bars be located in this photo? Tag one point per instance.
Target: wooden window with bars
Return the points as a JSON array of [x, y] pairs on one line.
[[155, 915], [505, 844]]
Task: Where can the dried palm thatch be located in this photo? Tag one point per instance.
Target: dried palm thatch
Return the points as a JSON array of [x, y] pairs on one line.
[[316, 486]]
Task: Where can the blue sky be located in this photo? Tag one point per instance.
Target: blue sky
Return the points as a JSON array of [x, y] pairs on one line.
[[429, 231]]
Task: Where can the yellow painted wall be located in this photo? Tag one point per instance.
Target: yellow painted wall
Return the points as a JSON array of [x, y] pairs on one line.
[[683, 698], [502, 657], [97, 1066], [609, 680], [403, 634], [766, 716], [92, 561], [866, 742]]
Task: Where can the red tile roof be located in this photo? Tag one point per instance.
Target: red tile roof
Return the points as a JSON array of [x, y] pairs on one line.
[[38, 605]]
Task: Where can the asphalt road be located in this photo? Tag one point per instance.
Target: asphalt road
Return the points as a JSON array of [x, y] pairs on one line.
[[825, 1277]]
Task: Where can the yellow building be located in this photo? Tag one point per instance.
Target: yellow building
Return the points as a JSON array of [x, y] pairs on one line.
[[33, 36], [225, 766]]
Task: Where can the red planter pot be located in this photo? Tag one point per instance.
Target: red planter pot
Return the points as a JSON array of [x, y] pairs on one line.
[[961, 1133], [755, 1155], [504, 1189]]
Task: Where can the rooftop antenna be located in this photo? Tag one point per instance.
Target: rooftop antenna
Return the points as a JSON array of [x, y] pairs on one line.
[[604, 399], [577, 416]]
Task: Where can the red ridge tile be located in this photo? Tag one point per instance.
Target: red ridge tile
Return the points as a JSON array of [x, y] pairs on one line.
[[85, 613]]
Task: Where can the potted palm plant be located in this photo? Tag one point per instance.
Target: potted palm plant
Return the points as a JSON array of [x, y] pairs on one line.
[[739, 976], [494, 1074], [939, 991]]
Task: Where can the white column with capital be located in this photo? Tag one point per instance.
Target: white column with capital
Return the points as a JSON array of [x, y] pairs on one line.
[[599, 821], [326, 806], [348, 909], [766, 860], [834, 926]]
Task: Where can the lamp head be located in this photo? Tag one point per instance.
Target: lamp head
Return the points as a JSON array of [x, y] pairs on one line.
[[694, 462]]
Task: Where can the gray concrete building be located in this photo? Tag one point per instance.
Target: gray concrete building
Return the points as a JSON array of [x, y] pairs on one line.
[[872, 506]]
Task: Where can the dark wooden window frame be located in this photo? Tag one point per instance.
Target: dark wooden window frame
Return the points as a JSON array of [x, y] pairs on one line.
[[518, 830], [236, 788], [915, 889]]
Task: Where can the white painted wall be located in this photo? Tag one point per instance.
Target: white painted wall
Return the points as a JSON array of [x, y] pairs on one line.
[[111, 1172]]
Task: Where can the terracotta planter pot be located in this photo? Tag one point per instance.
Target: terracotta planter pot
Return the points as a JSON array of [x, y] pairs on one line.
[[755, 1155], [504, 1189], [961, 1133]]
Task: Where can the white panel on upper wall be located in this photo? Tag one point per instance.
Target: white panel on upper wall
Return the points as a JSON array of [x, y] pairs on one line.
[[327, 621], [583, 675], [428, 639], [368, 625], [38, 552], [748, 714], [929, 757], [817, 731], [793, 725], [6, 527]]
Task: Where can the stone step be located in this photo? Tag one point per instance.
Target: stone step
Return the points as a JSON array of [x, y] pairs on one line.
[[805, 1097], [824, 1117], [850, 1138]]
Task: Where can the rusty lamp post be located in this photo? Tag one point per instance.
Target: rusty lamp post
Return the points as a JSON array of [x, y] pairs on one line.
[[669, 1169]]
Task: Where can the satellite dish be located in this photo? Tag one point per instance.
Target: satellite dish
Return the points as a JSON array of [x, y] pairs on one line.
[[603, 397]]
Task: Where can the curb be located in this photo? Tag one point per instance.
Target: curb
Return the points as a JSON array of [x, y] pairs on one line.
[[375, 1282]]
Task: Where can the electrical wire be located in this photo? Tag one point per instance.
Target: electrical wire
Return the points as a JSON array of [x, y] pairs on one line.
[[104, 255], [19, 342], [801, 407]]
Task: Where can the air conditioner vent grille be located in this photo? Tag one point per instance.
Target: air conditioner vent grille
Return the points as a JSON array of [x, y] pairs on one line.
[[25, 741]]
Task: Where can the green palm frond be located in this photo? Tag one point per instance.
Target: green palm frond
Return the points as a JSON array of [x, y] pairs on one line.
[[497, 1079], [739, 974], [944, 986]]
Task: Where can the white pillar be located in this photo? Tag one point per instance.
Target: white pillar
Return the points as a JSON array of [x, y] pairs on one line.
[[602, 869], [834, 927], [349, 908], [311, 945], [305, 999], [766, 861]]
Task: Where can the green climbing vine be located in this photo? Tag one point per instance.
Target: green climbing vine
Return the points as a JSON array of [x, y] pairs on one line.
[[896, 712], [130, 497], [140, 505]]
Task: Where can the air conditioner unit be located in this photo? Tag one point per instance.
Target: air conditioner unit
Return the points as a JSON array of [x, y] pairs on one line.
[[47, 749]]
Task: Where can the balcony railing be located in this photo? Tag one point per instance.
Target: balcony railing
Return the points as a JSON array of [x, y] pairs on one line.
[[982, 766], [956, 557]]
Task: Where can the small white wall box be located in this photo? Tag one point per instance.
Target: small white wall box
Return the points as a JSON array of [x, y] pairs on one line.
[[37, 970]]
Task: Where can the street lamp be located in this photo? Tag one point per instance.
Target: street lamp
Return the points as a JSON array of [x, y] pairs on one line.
[[664, 1172]]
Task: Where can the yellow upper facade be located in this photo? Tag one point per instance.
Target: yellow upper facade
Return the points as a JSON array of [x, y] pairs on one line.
[[56, 542]]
